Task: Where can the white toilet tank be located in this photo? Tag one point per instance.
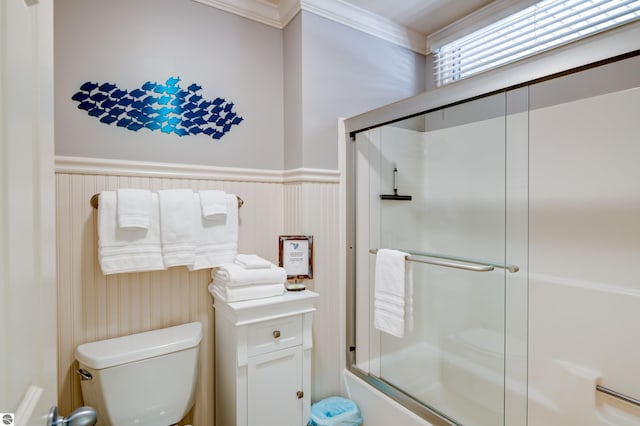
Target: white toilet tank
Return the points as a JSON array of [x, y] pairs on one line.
[[142, 379]]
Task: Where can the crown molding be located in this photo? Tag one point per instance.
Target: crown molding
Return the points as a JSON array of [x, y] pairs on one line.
[[256, 10], [368, 22], [280, 15]]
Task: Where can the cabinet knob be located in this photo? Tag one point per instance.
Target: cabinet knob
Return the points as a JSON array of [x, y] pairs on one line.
[[276, 334], [300, 394]]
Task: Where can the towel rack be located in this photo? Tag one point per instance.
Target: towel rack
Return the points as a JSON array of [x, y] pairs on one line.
[[454, 262], [618, 395], [95, 197]]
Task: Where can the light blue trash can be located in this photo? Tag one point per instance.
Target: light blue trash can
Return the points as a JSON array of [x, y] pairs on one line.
[[335, 411]]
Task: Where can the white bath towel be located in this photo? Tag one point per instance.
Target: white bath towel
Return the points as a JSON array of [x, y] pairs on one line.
[[127, 249], [133, 208], [393, 310], [213, 203], [246, 292], [216, 238], [252, 261], [177, 226], [232, 275]]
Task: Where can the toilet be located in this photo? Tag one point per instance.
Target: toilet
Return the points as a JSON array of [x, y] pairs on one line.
[[141, 379]]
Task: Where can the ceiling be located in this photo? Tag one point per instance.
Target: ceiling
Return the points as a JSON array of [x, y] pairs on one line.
[[404, 22]]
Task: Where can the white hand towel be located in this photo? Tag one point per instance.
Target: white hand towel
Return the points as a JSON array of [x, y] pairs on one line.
[[217, 238], [235, 275], [213, 203], [127, 249], [177, 226], [247, 292], [390, 293], [252, 261], [133, 208]]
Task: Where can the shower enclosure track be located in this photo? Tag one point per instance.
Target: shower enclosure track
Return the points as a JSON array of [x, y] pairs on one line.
[[454, 262]]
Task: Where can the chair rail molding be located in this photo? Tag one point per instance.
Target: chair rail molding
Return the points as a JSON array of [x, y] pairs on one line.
[[110, 167]]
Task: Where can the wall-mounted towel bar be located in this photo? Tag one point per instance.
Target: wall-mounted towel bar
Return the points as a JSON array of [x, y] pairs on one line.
[[618, 395], [95, 197], [454, 262]]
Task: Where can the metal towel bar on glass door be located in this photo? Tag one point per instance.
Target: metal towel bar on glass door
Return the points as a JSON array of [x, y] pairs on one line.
[[618, 395], [454, 262]]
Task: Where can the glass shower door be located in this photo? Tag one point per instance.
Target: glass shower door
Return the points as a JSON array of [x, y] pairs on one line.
[[452, 164]]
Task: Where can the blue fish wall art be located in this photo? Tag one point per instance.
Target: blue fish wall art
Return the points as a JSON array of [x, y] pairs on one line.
[[166, 107]]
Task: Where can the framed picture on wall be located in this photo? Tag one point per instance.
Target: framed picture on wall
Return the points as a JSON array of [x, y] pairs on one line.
[[296, 256]]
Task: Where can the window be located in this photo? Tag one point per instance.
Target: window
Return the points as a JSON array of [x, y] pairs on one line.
[[540, 27]]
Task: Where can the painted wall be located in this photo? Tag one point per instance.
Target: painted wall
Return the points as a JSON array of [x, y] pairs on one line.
[[346, 72], [292, 35], [129, 43]]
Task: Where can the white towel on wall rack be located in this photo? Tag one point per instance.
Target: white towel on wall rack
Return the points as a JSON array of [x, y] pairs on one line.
[[216, 238], [127, 249], [133, 208], [213, 203], [177, 226], [393, 293]]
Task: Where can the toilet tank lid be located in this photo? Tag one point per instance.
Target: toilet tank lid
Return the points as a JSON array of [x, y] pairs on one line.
[[136, 347]]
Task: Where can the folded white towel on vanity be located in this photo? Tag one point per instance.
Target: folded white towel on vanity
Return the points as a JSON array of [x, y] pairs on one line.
[[216, 239], [177, 226], [133, 208], [213, 203], [127, 249], [393, 293], [252, 261], [232, 274], [246, 292]]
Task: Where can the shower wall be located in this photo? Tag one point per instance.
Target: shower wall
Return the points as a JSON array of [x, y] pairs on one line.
[[585, 245], [572, 209], [469, 331]]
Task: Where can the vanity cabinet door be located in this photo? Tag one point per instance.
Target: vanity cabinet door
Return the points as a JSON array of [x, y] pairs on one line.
[[275, 384]]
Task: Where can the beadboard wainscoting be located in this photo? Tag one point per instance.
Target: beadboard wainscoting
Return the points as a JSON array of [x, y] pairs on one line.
[[92, 306]]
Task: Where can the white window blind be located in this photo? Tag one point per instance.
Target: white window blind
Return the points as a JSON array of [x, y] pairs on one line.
[[540, 27]]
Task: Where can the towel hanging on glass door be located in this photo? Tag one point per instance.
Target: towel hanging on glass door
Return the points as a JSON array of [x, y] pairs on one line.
[[167, 107]]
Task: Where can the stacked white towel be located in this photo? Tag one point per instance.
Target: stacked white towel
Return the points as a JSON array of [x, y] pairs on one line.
[[233, 282], [177, 226], [252, 261], [127, 249], [393, 293], [246, 292]]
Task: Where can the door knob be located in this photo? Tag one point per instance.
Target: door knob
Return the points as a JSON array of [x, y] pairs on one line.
[[83, 416]]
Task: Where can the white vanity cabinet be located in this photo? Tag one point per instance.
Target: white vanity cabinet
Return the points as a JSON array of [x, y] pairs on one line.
[[263, 360]]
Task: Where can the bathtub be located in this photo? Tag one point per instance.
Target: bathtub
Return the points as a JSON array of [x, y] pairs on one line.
[[377, 408], [463, 378]]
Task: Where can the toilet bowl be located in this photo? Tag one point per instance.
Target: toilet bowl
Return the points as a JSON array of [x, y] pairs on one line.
[[144, 379]]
